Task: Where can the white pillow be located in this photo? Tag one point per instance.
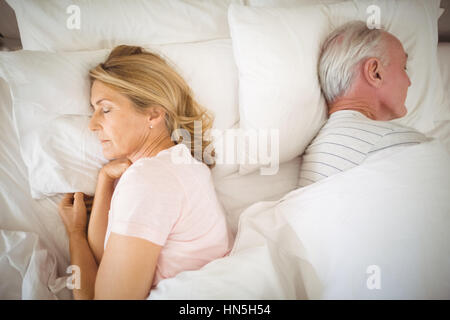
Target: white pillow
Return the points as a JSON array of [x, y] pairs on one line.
[[51, 25], [276, 51], [50, 93]]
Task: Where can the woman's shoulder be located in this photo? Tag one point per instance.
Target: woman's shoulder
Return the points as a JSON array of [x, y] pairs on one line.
[[148, 171], [174, 166], [180, 161]]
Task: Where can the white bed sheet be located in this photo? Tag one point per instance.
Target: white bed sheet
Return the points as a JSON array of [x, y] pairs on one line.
[[39, 221]]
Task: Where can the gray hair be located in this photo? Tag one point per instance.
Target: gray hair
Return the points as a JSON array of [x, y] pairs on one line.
[[343, 51]]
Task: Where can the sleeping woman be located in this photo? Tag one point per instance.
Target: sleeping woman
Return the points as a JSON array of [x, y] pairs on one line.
[[152, 217]]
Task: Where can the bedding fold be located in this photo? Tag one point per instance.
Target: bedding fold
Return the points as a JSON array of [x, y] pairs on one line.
[[377, 231]]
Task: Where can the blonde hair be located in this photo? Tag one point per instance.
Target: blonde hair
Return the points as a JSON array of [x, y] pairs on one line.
[[148, 80]]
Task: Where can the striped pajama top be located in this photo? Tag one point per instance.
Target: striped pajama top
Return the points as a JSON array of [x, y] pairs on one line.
[[345, 141]]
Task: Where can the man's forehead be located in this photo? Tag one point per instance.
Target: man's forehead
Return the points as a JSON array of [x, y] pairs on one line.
[[394, 44]]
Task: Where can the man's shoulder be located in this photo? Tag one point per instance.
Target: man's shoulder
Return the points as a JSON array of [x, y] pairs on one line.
[[399, 130], [399, 135], [354, 123]]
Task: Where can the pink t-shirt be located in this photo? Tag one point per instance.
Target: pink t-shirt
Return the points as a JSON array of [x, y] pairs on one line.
[[173, 205]]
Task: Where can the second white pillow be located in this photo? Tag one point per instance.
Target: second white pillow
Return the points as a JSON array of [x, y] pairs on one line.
[[277, 49]]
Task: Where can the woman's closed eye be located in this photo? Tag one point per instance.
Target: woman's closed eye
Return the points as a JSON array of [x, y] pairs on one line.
[[106, 108]]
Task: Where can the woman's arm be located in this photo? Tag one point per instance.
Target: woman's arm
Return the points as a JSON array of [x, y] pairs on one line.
[[81, 256], [72, 210], [127, 268], [98, 221]]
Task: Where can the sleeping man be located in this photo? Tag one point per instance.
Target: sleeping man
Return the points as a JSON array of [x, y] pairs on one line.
[[364, 80]]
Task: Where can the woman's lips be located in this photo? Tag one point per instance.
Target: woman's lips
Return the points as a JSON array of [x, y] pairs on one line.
[[103, 141]]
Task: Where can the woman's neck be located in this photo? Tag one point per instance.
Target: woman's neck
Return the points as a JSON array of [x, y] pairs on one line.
[[152, 147]]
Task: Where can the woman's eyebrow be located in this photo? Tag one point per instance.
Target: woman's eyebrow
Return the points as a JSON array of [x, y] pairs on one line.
[[98, 102]]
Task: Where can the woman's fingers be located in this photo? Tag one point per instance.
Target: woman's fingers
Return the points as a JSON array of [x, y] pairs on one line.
[[78, 201], [66, 200], [80, 198]]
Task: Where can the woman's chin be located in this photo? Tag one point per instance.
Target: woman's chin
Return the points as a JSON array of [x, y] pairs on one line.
[[108, 155], [112, 155]]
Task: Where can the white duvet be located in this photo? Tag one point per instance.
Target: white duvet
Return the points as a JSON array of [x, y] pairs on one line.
[[378, 231]]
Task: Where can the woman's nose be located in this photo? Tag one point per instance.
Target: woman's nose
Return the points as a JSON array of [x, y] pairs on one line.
[[93, 123]]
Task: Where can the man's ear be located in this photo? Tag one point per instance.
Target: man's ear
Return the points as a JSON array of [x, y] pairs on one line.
[[373, 72]]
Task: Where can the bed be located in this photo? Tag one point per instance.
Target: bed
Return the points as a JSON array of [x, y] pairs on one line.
[[330, 240]]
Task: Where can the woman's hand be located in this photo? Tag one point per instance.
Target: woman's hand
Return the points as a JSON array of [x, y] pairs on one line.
[[72, 210], [116, 168]]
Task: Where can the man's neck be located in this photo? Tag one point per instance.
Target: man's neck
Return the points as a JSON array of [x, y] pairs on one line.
[[357, 104]]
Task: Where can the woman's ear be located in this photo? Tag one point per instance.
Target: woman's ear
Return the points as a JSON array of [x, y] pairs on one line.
[[373, 72], [156, 115]]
